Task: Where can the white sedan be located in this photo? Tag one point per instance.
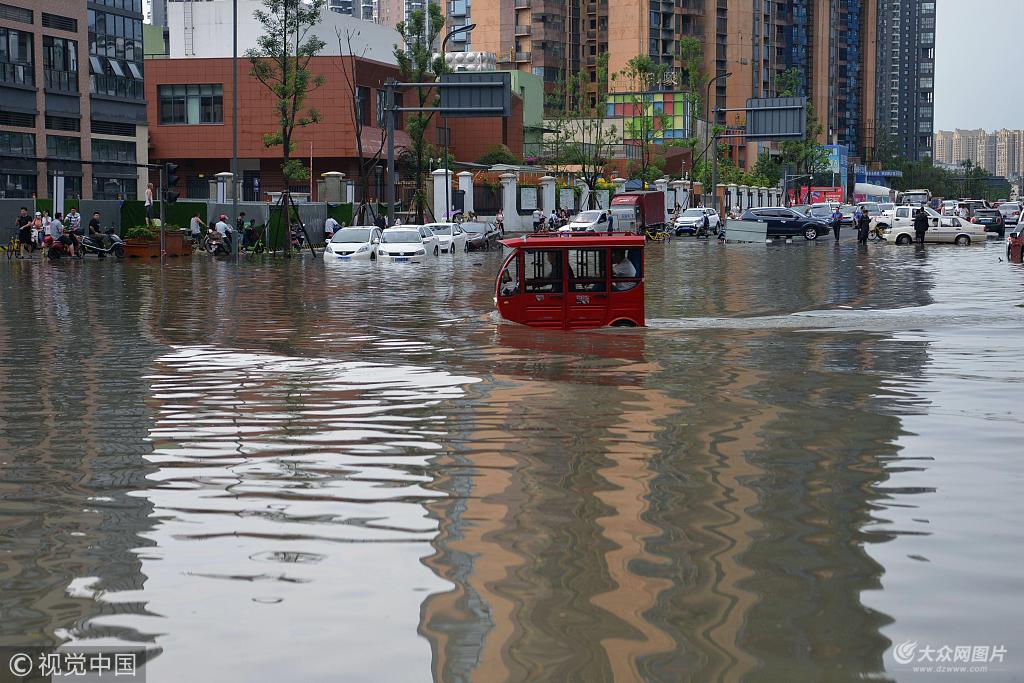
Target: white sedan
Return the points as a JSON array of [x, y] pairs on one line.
[[689, 220], [950, 230], [450, 236], [358, 243], [407, 243]]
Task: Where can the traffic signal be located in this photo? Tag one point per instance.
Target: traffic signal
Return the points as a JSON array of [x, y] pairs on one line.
[[170, 180]]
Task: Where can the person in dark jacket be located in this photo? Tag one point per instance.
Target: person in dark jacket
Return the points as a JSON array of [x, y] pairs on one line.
[[920, 225], [837, 222], [863, 227]]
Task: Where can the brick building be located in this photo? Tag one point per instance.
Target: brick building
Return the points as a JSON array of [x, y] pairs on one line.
[[190, 123]]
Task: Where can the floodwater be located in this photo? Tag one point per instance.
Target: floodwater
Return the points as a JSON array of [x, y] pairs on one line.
[[287, 470]]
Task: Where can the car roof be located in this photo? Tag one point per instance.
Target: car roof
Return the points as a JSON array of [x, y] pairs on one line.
[[404, 228], [543, 240]]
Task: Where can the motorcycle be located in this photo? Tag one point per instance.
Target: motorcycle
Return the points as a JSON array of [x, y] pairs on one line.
[[91, 246], [217, 244]]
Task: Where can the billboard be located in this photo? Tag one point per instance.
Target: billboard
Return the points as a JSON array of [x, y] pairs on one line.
[[839, 164], [814, 195]]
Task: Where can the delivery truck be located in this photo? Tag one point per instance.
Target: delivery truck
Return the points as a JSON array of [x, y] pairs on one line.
[[639, 211]]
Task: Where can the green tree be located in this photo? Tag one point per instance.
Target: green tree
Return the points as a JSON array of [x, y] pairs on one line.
[[417, 64], [646, 125], [280, 61], [579, 132], [692, 77], [498, 154]]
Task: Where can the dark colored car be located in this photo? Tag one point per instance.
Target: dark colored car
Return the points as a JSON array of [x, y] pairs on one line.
[[992, 219], [783, 222], [481, 236]]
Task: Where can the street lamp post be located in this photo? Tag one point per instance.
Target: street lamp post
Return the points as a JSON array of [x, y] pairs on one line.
[[234, 128], [447, 132], [714, 140]]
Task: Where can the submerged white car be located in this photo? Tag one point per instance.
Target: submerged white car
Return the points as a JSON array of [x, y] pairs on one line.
[[407, 243], [358, 243], [949, 230], [594, 220], [450, 236]]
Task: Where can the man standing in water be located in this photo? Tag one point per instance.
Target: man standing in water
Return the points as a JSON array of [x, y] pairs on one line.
[[920, 225], [863, 226], [837, 220]]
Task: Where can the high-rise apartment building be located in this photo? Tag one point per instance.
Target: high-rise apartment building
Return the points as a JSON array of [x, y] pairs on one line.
[[969, 145], [360, 9], [1000, 153], [71, 87], [905, 73], [942, 147]]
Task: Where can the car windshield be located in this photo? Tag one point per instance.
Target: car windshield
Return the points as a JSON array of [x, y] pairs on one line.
[[588, 217], [886, 207], [819, 211], [400, 236], [693, 212], [475, 227], [440, 229], [351, 235], [1010, 206], [847, 210]]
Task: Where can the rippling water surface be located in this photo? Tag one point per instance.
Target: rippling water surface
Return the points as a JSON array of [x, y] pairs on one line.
[[287, 470]]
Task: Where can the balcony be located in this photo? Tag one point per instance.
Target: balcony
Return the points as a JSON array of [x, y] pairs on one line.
[[591, 8], [522, 4], [521, 57], [522, 30], [592, 34]]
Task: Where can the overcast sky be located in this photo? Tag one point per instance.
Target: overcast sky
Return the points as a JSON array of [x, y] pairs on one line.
[[976, 58]]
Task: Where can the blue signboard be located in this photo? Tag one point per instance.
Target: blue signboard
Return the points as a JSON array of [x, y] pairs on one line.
[[839, 163]]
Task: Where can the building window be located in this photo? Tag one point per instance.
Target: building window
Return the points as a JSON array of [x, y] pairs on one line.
[[17, 144], [191, 104], [115, 55], [114, 188], [14, 186], [113, 150], [60, 64], [16, 57], [362, 104], [63, 147]]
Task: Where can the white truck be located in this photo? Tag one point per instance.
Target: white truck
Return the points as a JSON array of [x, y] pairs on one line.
[[903, 217], [916, 197]]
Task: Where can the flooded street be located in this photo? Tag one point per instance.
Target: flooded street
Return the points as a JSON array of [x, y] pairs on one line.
[[291, 470]]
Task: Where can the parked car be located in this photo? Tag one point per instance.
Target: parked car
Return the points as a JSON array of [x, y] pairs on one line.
[[886, 206], [783, 222], [356, 243], [948, 207], [407, 243], [594, 220], [481, 236], [872, 209], [1011, 212], [450, 236], [992, 220], [689, 220], [947, 230], [903, 217]]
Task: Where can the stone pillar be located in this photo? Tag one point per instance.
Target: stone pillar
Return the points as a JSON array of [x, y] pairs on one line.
[[510, 201], [720, 191], [466, 185], [678, 193], [661, 185], [744, 191], [620, 185], [442, 193], [584, 195], [224, 187], [547, 194], [732, 199], [333, 187]]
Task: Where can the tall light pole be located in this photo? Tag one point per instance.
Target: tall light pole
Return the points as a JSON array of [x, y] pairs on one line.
[[447, 178], [234, 127], [714, 141]]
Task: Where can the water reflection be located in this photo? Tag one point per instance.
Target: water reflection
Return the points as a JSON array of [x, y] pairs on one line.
[[358, 470]]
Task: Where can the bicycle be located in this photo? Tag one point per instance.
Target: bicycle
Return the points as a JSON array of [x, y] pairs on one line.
[[13, 248], [657, 234]]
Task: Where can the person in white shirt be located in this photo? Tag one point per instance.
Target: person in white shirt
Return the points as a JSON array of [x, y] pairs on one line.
[[149, 204], [538, 218], [195, 227], [330, 227], [624, 268]]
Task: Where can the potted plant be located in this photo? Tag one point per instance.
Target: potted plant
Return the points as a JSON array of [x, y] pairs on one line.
[[141, 241]]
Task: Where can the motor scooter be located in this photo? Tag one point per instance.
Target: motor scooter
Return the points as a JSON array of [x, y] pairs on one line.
[[116, 245]]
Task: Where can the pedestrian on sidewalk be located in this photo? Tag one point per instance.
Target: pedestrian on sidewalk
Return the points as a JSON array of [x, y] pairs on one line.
[[837, 220]]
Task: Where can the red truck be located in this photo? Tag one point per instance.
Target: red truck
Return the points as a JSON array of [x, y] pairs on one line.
[[639, 211]]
